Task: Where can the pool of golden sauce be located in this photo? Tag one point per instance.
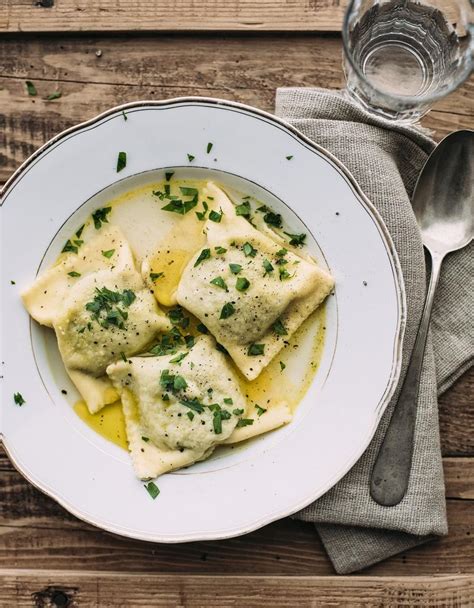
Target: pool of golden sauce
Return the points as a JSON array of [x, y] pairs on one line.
[[172, 253]]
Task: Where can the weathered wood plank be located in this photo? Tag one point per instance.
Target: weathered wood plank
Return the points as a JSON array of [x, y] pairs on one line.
[[35, 532], [19, 588], [243, 69], [168, 15], [457, 417]]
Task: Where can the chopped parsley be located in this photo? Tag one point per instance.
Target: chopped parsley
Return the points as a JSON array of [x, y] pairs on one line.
[[228, 401], [282, 366], [177, 317], [284, 274], [279, 328], [191, 158], [235, 268], [100, 216], [214, 216], [220, 250], [227, 310], [193, 404], [145, 439], [273, 219], [297, 240], [105, 307], [169, 343], [79, 231], [243, 209], [186, 191], [209, 147], [238, 412], [169, 175], [268, 266], [74, 274], [281, 252], [244, 422], [121, 161], [190, 415], [289, 157], [54, 95], [109, 253], [260, 410], [249, 251], [179, 383], [219, 282], [125, 117], [18, 399], [201, 215], [204, 255], [189, 341], [242, 284], [156, 275], [30, 87], [124, 358], [71, 246], [179, 206], [255, 349], [202, 328], [218, 416], [152, 489], [179, 358]]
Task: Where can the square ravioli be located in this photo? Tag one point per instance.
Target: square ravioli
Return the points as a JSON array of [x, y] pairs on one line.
[[100, 309], [177, 407], [248, 290]]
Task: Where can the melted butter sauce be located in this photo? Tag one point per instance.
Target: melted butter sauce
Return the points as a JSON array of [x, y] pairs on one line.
[[167, 241], [109, 422]]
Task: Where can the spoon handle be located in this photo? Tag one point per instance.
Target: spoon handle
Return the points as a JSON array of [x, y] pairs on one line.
[[391, 472]]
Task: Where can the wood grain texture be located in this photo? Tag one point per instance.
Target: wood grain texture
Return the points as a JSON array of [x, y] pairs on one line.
[[35, 532], [168, 15], [456, 411], [245, 69], [18, 589]]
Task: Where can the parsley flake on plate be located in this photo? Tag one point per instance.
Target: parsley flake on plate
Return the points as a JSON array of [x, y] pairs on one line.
[[18, 399], [54, 95], [109, 253], [209, 147], [152, 489], [191, 158], [279, 328], [121, 161], [260, 410], [74, 274]]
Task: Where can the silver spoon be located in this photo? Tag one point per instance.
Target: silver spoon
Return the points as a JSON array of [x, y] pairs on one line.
[[443, 202]]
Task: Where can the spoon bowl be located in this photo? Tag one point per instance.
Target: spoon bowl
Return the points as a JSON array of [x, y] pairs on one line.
[[444, 194]]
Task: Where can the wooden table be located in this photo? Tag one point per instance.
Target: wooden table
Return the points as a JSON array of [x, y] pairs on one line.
[[105, 52]]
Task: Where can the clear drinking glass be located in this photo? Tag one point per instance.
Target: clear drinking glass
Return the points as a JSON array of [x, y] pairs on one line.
[[401, 55]]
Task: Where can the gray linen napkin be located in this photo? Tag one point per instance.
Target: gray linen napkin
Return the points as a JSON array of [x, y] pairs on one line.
[[386, 159]]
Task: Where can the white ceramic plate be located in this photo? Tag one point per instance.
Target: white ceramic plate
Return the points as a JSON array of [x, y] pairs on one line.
[[275, 475]]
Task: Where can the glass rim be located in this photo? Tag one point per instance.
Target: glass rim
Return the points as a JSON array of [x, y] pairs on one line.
[[412, 100]]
